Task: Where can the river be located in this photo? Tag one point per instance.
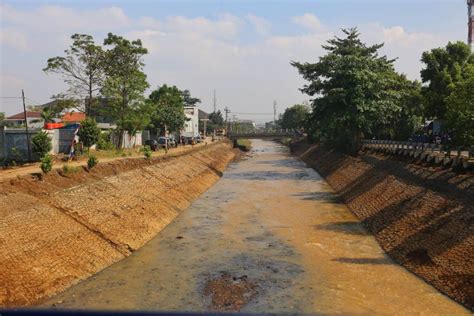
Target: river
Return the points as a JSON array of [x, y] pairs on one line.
[[273, 237]]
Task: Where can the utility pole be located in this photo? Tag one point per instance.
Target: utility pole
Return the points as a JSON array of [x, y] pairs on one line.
[[215, 103], [26, 126], [470, 25], [274, 112], [227, 111]]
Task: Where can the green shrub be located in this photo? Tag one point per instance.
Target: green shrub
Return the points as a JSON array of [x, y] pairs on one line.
[[15, 156], [89, 133], [244, 144], [46, 163], [104, 142], [147, 152], [41, 144], [92, 161], [69, 169]]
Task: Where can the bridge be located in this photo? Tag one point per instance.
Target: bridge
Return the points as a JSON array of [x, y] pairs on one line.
[[264, 134]]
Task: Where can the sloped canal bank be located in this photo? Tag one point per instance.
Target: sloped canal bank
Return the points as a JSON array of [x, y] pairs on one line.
[[269, 236]]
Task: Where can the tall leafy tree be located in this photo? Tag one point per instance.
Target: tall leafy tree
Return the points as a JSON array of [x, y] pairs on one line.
[[82, 70], [443, 69], [188, 100], [352, 89], [407, 118], [294, 117], [2, 116], [125, 80], [167, 109], [460, 112], [216, 121]]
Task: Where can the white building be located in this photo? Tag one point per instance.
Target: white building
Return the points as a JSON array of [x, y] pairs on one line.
[[191, 126], [34, 119]]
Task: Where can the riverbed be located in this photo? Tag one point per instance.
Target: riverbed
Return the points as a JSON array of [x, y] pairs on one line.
[[273, 234]]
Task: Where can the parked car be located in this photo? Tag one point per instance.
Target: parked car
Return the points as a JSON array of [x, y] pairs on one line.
[[153, 143], [162, 141], [190, 140], [172, 142]]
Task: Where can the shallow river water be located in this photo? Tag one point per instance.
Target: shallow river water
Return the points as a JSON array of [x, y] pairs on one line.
[[277, 223]]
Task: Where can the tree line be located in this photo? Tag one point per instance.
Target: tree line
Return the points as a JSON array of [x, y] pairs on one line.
[[356, 93], [108, 81]]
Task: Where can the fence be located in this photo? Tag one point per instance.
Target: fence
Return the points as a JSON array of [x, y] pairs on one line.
[[439, 154]]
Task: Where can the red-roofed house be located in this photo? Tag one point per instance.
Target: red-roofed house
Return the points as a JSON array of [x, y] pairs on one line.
[[73, 117], [34, 119]]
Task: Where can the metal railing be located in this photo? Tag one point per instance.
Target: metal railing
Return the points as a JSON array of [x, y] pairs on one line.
[[439, 154]]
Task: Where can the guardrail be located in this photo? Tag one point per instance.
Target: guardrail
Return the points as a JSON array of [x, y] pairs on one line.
[[260, 134], [438, 154]]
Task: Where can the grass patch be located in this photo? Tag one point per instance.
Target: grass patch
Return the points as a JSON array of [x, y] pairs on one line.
[[68, 169], [244, 144]]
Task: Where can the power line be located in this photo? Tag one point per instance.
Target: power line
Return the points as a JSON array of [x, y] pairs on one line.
[[35, 101]]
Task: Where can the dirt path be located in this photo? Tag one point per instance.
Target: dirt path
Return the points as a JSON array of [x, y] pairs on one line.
[[270, 236], [32, 168]]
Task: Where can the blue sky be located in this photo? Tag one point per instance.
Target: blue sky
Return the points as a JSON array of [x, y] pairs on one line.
[[240, 48]]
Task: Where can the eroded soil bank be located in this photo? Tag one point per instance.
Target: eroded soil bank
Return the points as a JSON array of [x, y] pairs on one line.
[[422, 216], [269, 237], [65, 228]]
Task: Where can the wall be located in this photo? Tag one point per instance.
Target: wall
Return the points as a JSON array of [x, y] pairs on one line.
[[65, 228], [422, 216], [15, 138]]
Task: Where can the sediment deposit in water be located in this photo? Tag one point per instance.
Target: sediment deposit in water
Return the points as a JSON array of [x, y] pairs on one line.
[[422, 216], [65, 228]]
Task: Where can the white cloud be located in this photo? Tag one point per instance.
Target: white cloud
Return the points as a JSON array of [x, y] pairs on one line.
[[309, 21], [55, 18], [261, 25], [402, 44], [226, 26], [14, 38], [197, 53]]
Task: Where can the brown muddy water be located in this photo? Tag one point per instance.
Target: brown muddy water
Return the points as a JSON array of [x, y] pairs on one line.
[[269, 236]]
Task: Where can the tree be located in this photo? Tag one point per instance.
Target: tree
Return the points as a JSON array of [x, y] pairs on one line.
[[47, 115], [294, 117], [353, 89], [188, 100], [167, 109], [125, 81], [89, 133], [2, 116], [82, 69], [460, 112], [216, 121], [444, 68], [408, 117], [41, 144]]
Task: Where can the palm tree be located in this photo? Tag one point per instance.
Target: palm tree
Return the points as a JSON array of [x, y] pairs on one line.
[[47, 115]]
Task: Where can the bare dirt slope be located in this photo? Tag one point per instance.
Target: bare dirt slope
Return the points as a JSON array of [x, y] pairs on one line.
[[422, 216], [58, 231]]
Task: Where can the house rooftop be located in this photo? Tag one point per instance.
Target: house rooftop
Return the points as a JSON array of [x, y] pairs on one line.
[[21, 115], [73, 117]]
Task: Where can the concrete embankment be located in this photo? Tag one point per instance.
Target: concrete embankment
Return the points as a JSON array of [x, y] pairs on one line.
[[422, 216], [65, 228]]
